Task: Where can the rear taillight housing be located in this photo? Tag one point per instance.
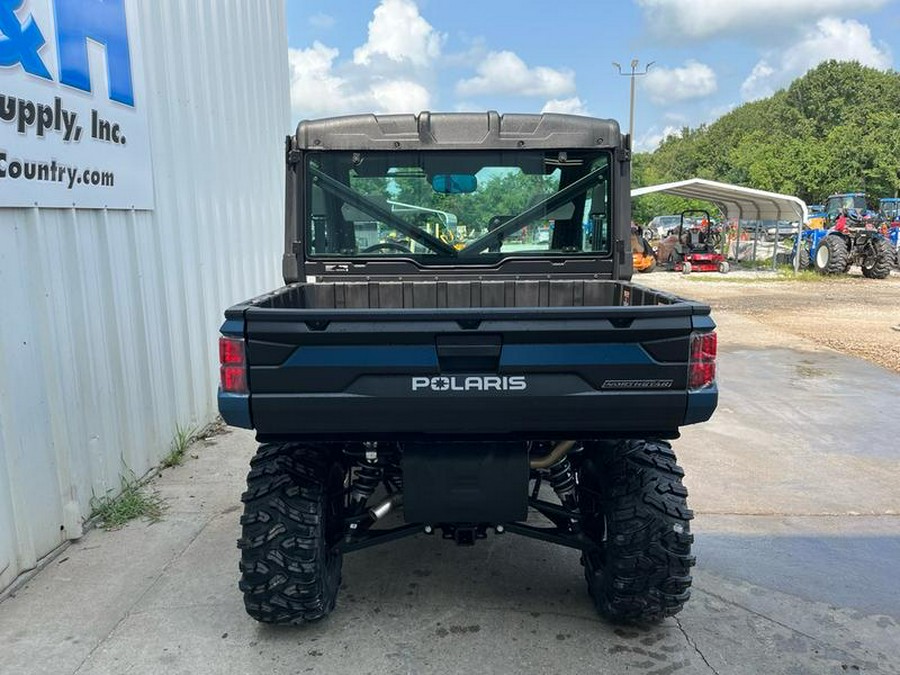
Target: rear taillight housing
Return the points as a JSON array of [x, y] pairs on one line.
[[233, 365], [702, 369]]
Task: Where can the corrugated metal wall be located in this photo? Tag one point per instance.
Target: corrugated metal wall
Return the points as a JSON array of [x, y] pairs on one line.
[[109, 319]]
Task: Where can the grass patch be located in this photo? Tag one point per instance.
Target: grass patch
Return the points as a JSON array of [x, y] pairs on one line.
[[782, 273], [134, 500], [808, 275], [184, 436]]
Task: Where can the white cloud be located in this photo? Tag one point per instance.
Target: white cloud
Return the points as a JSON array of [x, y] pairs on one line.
[[570, 106], [650, 140], [759, 83], [399, 96], [399, 33], [846, 41], [321, 20], [505, 73], [680, 19], [314, 87], [692, 80], [317, 90], [391, 72]]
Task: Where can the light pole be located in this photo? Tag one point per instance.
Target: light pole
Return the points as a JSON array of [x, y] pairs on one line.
[[633, 74]]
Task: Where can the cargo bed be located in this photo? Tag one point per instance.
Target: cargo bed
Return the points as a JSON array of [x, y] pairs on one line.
[[434, 294]]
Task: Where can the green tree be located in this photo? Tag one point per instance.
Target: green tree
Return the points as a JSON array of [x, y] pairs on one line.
[[835, 129]]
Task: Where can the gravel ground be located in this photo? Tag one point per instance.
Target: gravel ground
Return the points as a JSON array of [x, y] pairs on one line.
[[850, 314]]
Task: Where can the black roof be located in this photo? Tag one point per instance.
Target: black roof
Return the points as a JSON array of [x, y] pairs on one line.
[[457, 131]]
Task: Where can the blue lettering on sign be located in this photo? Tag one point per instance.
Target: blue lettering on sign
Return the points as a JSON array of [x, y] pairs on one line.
[[102, 21], [77, 21], [22, 40]]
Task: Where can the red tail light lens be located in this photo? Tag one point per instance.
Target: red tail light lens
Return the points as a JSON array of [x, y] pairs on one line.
[[233, 360], [231, 351], [702, 371], [234, 379]]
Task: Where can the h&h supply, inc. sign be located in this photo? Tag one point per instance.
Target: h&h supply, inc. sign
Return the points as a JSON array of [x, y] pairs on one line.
[[73, 117]]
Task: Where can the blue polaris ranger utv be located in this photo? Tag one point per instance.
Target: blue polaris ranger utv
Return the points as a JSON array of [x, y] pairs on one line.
[[458, 348]]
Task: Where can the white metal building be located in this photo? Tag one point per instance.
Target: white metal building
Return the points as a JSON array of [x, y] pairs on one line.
[[109, 316]]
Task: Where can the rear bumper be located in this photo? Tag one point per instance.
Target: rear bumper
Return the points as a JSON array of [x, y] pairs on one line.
[[235, 410], [595, 415]]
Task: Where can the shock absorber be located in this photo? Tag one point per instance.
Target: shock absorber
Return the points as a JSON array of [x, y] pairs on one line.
[[393, 475], [368, 476], [562, 480]]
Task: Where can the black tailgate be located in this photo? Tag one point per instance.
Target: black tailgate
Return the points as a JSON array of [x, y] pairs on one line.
[[582, 371]]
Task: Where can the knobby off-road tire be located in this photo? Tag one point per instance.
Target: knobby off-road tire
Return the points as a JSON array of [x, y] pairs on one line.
[[832, 256], [635, 509], [879, 265], [290, 573]]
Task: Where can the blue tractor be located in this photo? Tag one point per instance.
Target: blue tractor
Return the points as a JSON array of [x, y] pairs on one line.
[[814, 229], [889, 211], [853, 237], [808, 242]]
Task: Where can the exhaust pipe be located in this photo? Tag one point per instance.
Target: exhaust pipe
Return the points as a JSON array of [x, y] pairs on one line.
[[381, 510]]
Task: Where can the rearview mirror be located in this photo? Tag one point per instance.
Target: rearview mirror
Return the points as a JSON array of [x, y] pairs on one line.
[[454, 183]]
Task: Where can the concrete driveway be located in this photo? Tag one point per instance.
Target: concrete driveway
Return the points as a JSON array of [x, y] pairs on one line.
[[796, 485]]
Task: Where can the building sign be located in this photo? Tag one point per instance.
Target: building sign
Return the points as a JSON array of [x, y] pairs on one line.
[[73, 111]]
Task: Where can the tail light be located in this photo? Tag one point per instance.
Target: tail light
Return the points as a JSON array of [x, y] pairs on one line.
[[233, 369], [702, 369]]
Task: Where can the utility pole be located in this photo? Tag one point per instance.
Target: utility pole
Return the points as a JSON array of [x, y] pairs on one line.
[[633, 74]]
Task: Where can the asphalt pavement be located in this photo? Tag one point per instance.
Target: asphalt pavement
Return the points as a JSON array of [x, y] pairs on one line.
[[796, 486]]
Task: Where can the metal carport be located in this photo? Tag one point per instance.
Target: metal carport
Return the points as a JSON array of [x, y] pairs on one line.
[[736, 201]]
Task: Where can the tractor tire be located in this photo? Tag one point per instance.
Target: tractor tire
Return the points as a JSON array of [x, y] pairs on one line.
[[290, 568], [879, 265], [723, 267], [686, 268], [635, 510], [805, 259], [832, 256]]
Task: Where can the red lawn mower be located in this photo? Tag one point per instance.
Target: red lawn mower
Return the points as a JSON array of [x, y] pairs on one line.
[[696, 249]]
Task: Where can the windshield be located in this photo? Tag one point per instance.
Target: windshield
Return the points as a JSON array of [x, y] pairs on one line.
[[848, 202], [457, 207], [890, 208]]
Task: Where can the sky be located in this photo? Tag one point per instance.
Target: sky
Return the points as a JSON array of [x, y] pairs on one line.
[[708, 56]]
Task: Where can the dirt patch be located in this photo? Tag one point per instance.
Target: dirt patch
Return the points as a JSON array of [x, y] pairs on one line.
[[850, 314]]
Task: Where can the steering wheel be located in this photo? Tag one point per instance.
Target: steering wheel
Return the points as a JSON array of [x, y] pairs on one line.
[[387, 246]]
